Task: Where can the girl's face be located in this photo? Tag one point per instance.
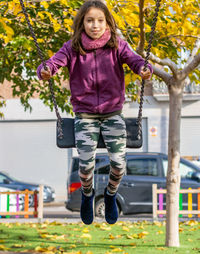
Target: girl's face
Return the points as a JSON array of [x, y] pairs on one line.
[[95, 23]]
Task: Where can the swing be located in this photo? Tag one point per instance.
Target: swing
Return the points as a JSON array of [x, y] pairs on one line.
[[65, 126]]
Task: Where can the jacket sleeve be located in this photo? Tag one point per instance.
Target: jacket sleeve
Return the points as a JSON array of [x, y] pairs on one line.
[[134, 61], [60, 59]]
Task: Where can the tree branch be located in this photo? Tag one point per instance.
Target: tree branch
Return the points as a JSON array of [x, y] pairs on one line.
[[161, 74], [163, 62], [194, 51], [191, 66], [140, 47]]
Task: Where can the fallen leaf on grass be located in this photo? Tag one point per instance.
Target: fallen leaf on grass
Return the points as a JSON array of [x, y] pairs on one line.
[[192, 229], [17, 224], [86, 236], [125, 229], [161, 248], [76, 229], [130, 237], [159, 232], [190, 240], [33, 226], [142, 234], [43, 225], [3, 247], [141, 227], [112, 237], [72, 246], [105, 227], [118, 236], [42, 249], [46, 236], [50, 249], [85, 230], [192, 222], [17, 246], [114, 249], [55, 237], [157, 223], [56, 223]]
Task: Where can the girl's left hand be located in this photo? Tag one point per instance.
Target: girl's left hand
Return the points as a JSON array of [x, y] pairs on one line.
[[145, 74]]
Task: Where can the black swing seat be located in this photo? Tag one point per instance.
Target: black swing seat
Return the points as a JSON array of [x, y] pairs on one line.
[[68, 139]]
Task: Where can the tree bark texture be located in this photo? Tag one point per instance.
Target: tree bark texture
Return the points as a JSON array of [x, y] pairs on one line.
[[173, 174]]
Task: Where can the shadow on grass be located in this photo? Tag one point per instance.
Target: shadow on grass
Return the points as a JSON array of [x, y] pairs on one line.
[[67, 245]]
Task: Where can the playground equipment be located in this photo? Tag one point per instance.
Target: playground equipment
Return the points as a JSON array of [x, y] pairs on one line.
[[65, 129], [16, 203], [158, 197]]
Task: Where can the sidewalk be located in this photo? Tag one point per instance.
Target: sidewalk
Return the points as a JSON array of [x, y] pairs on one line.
[[57, 212]]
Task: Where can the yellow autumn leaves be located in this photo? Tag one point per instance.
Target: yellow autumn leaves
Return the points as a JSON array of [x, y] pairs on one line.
[[8, 30], [14, 8], [177, 22]]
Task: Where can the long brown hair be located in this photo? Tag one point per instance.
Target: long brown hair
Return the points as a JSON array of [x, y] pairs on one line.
[[78, 26]]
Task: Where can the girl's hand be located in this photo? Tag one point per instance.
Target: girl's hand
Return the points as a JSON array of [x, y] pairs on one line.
[[145, 74], [45, 74]]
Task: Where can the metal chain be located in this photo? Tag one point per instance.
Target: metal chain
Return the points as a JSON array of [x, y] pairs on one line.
[[41, 55], [139, 120]]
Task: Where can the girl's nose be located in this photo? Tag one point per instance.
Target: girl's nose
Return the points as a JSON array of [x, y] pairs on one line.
[[95, 24]]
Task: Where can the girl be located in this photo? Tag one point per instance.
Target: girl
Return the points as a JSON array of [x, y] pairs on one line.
[[94, 57]]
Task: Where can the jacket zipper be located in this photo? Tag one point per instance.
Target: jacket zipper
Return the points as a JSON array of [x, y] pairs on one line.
[[97, 86]]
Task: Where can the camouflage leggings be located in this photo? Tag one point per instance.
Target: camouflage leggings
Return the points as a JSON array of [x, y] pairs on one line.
[[87, 134]]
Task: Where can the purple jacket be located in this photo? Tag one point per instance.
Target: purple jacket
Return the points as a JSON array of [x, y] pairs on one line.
[[97, 78]]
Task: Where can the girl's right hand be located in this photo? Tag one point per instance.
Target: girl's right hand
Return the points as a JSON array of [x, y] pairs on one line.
[[45, 74]]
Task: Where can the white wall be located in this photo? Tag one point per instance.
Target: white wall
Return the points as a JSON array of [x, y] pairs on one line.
[[28, 148]]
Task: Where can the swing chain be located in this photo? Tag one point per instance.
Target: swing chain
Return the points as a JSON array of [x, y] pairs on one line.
[[41, 55], [139, 120]]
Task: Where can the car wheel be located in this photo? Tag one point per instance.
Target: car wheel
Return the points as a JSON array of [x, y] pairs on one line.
[[100, 208], [30, 201]]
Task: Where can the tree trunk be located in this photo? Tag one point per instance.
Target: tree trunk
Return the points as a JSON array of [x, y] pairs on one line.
[[173, 174]]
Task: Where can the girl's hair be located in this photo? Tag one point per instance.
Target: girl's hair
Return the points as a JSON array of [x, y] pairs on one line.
[[78, 26]]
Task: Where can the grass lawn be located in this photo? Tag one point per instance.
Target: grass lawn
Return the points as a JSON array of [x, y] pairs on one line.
[[77, 238]]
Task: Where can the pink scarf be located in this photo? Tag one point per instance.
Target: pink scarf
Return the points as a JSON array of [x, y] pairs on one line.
[[90, 44]]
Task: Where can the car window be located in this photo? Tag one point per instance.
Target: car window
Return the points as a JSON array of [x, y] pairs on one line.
[[75, 164], [103, 170], [185, 170], [143, 166], [2, 177], [98, 161]]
